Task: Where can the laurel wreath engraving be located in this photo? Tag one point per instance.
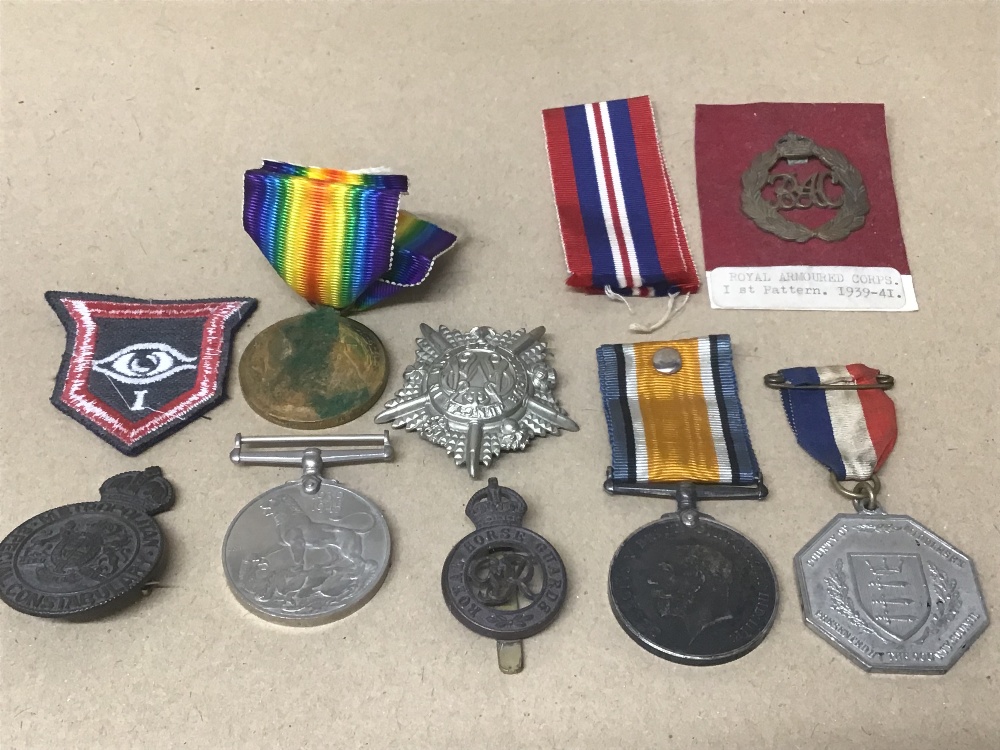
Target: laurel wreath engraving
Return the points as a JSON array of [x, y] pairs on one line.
[[839, 593], [504, 621], [850, 216], [947, 602]]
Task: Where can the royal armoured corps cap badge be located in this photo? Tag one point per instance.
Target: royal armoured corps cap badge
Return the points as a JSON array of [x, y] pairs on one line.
[[789, 194], [478, 393]]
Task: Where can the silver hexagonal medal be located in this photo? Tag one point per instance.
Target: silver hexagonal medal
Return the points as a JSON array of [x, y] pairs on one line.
[[478, 393], [890, 593]]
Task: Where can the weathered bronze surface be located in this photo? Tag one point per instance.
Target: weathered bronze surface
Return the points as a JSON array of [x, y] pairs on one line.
[[852, 206], [313, 371]]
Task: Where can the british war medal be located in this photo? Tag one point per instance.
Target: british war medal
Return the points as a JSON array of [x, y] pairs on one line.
[[136, 370], [503, 581], [311, 550], [478, 393], [85, 559], [882, 588], [340, 241], [686, 587]]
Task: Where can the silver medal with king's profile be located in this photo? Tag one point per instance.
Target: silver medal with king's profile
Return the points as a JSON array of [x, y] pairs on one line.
[[890, 594]]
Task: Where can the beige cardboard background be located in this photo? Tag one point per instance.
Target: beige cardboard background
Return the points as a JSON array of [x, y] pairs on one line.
[[126, 129]]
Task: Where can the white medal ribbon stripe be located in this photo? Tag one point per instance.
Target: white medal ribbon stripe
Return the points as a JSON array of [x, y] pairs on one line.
[[714, 415], [602, 189], [619, 198], [850, 430], [610, 193], [638, 428]]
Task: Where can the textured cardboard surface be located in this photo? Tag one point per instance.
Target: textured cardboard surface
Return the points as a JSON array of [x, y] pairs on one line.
[[126, 130]]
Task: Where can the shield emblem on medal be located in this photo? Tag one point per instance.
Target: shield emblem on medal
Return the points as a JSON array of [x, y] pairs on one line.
[[892, 591]]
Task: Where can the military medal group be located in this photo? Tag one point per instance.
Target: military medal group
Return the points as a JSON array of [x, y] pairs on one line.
[[816, 196]]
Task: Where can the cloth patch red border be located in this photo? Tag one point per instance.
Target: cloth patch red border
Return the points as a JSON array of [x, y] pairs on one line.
[[81, 314]]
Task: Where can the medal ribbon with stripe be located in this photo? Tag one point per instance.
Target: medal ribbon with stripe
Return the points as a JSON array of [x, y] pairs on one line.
[[685, 426], [338, 238], [621, 228], [851, 432]]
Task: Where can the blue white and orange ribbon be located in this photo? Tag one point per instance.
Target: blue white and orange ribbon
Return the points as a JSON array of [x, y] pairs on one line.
[[687, 426], [621, 229], [851, 432], [338, 238]]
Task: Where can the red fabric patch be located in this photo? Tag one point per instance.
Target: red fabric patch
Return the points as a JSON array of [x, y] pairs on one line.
[[728, 137]]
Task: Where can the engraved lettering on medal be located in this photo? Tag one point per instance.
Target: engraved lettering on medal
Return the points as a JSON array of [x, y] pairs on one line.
[[825, 547], [928, 541], [959, 634]]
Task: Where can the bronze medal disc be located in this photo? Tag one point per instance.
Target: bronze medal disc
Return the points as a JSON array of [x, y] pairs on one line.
[[313, 371]]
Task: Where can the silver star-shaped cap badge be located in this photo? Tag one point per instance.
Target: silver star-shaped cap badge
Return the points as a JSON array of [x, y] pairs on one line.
[[478, 393]]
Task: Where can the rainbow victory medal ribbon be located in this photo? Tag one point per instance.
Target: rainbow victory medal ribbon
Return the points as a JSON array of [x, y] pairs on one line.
[[338, 238], [620, 225], [841, 416], [674, 415]]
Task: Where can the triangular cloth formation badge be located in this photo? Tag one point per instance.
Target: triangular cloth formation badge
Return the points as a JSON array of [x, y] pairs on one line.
[[135, 371]]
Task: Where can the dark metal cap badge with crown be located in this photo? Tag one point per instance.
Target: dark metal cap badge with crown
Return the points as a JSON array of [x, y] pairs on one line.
[[503, 581]]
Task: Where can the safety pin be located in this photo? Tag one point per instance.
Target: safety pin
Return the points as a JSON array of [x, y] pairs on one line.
[[777, 381]]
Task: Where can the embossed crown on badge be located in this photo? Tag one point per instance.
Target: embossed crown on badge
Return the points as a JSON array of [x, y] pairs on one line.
[[496, 506], [148, 490], [794, 146]]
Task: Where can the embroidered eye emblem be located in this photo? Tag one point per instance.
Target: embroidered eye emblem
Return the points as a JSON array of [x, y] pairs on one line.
[[141, 364]]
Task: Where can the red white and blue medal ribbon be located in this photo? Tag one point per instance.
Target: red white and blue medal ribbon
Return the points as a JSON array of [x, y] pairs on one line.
[[620, 226], [851, 432]]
